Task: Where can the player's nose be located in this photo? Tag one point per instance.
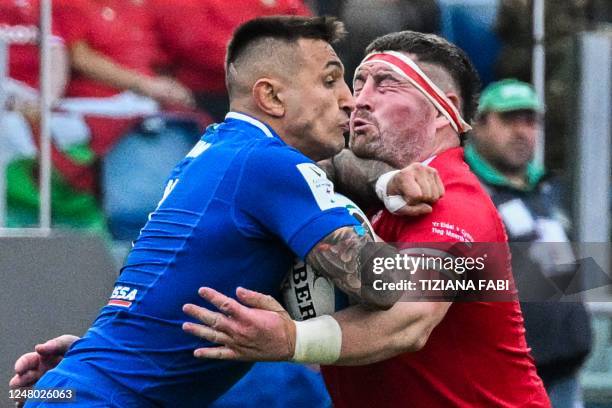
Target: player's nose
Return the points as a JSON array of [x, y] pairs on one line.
[[363, 99], [346, 100]]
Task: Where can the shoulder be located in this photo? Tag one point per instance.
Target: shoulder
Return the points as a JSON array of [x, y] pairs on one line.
[[273, 155]]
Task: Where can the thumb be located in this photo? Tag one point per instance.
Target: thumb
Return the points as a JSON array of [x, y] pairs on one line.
[[414, 210], [258, 300]]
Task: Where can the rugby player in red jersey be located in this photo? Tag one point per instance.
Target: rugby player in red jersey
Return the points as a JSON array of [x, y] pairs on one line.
[[409, 90]]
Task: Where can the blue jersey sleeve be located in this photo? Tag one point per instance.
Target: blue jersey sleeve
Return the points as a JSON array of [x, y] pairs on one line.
[[284, 193]]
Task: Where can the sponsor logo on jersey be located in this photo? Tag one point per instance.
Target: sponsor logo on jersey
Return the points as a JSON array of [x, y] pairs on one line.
[[122, 296], [322, 188]]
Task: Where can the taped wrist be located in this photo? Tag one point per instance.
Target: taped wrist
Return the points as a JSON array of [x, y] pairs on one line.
[[317, 341], [394, 202]]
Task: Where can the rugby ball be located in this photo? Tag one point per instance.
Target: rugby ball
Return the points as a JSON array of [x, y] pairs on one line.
[[307, 293]]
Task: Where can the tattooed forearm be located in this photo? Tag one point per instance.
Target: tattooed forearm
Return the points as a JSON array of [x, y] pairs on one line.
[[346, 257], [337, 257], [357, 177]]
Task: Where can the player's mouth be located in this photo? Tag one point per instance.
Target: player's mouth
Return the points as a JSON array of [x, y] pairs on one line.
[[359, 125], [345, 126]]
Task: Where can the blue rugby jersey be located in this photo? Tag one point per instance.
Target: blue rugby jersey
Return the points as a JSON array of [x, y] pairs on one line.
[[235, 212]]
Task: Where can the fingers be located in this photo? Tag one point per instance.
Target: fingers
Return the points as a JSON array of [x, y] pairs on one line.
[[435, 183], [207, 333], [216, 321], [15, 382], [217, 353], [439, 184], [26, 362], [258, 300], [225, 304], [430, 183], [27, 379], [424, 181], [57, 346], [414, 210], [409, 188], [418, 184]]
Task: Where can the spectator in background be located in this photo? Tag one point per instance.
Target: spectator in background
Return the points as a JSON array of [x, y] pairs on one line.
[[195, 33], [113, 56], [501, 155], [368, 19], [19, 29], [116, 59], [564, 19], [114, 48], [19, 123]]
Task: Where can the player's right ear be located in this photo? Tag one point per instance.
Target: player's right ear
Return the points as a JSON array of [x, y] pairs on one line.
[[266, 96]]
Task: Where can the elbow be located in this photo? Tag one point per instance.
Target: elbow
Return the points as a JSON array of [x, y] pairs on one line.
[[414, 336], [417, 343], [78, 62], [411, 341]]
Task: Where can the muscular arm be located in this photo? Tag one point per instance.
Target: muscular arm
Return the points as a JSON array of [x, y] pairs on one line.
[[257, 328], [369, 336], [345, 256], [418, 184]]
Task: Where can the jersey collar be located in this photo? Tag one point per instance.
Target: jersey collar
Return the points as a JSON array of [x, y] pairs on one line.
[[252, 121]]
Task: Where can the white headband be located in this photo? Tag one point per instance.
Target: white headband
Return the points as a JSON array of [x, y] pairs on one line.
[[409, 70]]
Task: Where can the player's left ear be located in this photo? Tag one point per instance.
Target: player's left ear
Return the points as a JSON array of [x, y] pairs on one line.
[[267, 96], [441, 120]]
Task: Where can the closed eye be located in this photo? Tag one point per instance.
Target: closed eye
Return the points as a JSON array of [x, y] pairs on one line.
[[385, 79]]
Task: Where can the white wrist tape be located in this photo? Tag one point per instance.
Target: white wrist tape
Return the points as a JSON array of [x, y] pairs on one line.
[[317, 341], [394, 202]]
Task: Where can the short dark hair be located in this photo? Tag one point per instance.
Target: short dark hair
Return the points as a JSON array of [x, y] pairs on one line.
[[283, 28], [433, 49]]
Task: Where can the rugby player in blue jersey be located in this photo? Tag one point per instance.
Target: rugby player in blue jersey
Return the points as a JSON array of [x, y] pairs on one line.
[[235, 212]]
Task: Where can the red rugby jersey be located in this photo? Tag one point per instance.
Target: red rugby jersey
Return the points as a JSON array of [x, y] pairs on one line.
[[477, 356]]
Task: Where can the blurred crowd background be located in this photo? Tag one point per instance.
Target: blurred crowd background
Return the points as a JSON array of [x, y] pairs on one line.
[[135, 82], [137, 79]]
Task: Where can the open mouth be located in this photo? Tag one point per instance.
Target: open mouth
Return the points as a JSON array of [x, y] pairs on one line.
[[359, 125]]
